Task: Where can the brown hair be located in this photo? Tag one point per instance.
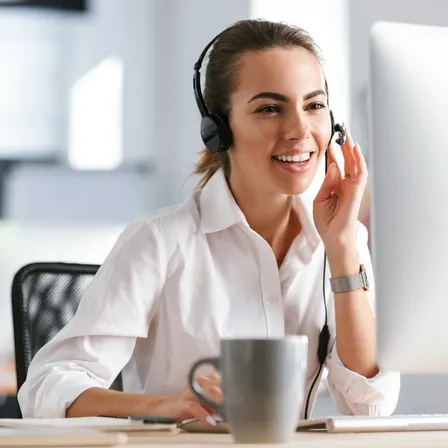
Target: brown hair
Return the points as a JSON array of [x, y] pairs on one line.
[[222, 69]]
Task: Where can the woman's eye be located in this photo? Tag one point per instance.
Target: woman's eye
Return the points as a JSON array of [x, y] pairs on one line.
[[268, 109], [316, 106]]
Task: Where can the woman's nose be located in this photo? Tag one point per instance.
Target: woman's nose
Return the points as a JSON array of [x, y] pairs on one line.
[[297, 127]]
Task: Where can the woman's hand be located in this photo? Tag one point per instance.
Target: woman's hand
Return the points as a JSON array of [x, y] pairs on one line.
[[185, 405], [337, 204], [180, 406]]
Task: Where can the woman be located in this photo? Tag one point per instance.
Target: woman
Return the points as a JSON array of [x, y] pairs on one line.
[[243, 257]]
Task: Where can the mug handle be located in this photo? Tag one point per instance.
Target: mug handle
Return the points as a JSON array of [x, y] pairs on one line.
[[197, 389]]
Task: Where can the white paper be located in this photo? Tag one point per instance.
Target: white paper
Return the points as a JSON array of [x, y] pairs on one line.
[[79, 422]]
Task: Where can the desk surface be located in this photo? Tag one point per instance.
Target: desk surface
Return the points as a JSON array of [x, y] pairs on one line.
[[304, 440]]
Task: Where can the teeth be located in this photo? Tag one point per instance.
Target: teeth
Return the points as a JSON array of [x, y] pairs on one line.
[[295, 158]]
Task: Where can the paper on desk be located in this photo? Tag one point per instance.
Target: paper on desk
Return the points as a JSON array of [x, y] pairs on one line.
[[58, 437], [99, 423]]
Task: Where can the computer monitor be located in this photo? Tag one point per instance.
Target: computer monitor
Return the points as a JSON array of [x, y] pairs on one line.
[[409, 180]]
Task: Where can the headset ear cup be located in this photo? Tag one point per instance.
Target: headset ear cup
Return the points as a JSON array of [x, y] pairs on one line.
[[215, 133]]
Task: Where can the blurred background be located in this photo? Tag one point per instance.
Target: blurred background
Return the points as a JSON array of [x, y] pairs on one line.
[[98, 122]]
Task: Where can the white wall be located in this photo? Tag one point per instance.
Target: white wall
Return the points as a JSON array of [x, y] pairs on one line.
[[76, 44], [124, 29], [46, 52], [30, 83], [58, 195]]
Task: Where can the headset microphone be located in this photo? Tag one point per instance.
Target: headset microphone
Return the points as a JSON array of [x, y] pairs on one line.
[[341, 140]]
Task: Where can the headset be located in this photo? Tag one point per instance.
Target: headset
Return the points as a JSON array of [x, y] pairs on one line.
[[217, 137]]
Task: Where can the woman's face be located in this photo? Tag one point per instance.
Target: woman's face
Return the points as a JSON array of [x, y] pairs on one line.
[[279, 120]]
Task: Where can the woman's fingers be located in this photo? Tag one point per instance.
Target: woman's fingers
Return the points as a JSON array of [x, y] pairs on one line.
[[215, 393], [350, 164], [332, 158], [360, 163], [196, 410], [214, 377], [211, 387]]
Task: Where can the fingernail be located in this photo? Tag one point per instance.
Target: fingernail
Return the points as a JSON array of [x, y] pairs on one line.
[[211, 420]]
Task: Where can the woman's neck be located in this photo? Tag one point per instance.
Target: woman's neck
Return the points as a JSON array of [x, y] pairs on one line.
[[271, 215]]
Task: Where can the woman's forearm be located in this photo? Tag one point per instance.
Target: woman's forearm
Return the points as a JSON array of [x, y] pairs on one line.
[[355, 319], [110, 403]]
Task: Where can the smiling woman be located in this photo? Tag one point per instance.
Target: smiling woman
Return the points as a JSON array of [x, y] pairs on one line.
[[244, 257], [274, 71], [278, 109], [298, 160]]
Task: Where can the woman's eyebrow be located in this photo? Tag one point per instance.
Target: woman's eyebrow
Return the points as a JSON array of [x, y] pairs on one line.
[[270, 95], [280, 97], [314, 93]]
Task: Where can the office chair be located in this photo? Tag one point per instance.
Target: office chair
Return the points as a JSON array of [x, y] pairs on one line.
[[45, 297]]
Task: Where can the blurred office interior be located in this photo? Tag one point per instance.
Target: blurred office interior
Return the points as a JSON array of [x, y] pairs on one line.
[[98, 122]]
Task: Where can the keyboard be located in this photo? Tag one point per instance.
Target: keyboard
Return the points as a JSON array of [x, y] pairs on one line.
[[422, 422]]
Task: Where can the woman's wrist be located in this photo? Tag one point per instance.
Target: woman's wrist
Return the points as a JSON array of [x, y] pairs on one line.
[[109, 403], [343, 259], [149, 405]]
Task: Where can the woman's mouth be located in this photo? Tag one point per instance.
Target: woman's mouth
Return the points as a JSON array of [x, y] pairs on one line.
[[297, 163], [296, 158]]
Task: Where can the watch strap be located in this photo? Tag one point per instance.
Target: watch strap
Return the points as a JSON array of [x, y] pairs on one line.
[[350, 282]]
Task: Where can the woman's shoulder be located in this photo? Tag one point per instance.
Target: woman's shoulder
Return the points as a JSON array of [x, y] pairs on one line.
[[180, 220]]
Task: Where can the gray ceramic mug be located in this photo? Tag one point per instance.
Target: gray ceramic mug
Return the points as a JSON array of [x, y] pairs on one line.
[[263, 384]]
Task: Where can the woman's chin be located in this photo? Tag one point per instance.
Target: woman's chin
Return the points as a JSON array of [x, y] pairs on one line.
[[295, 188]]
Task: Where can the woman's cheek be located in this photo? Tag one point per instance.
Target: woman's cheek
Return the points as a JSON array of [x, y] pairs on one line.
[[322, 132]]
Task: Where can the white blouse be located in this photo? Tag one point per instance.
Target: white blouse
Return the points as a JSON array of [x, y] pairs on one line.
[[177, 281]]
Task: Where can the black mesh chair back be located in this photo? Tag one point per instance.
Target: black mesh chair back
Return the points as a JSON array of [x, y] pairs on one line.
[[45, 297]]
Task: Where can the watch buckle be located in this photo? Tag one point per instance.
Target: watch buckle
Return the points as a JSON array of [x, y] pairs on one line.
[[365, 279]]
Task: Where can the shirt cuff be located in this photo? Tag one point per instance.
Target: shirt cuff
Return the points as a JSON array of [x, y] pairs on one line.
[[385, 386], [56, 395]]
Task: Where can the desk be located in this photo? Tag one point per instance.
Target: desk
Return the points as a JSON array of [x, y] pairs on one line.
[[304, 440]]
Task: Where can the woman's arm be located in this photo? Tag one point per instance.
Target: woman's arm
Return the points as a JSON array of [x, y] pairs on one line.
[[111, 403], [116, 309], [182, 405], [353, 378], [336, 208], [355, 319], [353, 372]]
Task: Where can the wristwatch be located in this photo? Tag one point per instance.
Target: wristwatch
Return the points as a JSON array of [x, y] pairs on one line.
[[351, 282]]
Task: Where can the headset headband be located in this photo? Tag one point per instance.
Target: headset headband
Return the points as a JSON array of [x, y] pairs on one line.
[[197, 79]]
